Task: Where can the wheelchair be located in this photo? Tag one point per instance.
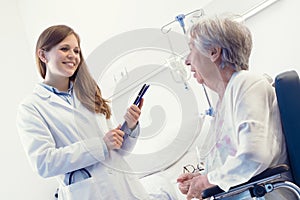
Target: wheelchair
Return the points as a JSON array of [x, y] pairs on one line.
[[287, 87]]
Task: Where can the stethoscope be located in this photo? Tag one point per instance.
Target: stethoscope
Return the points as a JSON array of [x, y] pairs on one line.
[[71, 178]]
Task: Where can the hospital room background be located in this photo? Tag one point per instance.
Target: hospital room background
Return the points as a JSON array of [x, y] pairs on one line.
[[127, 44]]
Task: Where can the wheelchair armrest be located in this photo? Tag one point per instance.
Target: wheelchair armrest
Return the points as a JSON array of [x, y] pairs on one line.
[[265, 174]]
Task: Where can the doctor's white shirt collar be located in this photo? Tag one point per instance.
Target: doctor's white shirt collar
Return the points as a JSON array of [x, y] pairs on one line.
[[66, 96]]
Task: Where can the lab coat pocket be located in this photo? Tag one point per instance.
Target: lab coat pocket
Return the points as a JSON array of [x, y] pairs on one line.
[[85, 189]]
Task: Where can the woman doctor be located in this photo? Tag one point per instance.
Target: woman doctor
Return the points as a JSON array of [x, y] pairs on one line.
[[66, 129]]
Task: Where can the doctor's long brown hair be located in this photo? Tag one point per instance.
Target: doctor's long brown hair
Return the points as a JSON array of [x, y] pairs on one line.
[[85, 87]]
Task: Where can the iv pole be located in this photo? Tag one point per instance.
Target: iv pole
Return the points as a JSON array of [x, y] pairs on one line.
[[180, 19]]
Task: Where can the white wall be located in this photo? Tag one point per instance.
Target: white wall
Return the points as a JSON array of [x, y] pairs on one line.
[[17, 78], [276, 38], [275, 34]]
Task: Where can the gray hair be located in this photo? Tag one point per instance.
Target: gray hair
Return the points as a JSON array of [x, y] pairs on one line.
[[233, 37]]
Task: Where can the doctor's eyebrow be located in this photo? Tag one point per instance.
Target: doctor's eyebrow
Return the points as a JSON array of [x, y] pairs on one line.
[[68, 47]]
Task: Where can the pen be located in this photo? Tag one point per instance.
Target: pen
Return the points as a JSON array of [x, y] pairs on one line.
[[137, 100], [139, 97]]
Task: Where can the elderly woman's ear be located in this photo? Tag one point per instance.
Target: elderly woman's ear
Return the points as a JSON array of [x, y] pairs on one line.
[[215, 54]]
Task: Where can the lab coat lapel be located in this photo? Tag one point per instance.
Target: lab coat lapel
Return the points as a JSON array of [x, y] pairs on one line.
[[52, 98]]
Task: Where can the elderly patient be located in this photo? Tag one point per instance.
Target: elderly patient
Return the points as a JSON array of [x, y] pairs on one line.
[[245, 134]]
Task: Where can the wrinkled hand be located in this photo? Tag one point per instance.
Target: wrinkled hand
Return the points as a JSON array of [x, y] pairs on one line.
[[184, 181], [114, 138], [133, 114], [197, 185]]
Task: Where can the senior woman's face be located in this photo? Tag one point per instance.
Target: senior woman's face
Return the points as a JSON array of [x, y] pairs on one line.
[[201, 65]]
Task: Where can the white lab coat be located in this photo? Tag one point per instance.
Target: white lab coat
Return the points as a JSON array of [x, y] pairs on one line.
[[59, 138]]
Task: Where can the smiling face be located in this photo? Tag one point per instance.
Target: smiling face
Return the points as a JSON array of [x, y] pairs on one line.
[[61, 60]]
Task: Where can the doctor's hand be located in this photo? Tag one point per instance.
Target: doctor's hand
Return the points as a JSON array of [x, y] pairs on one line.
[[133, 114], [114, 138]]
